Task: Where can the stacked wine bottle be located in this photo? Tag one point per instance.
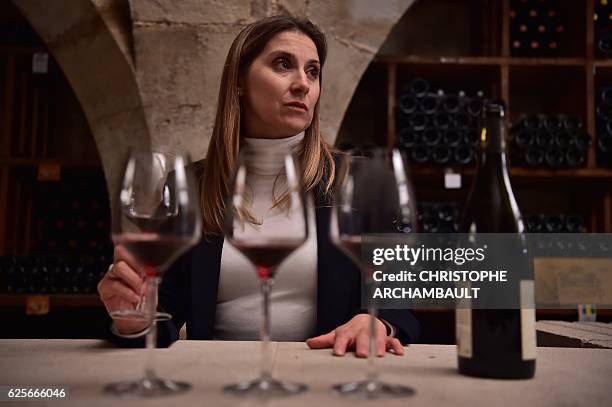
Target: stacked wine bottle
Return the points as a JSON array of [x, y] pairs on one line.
[[54, 274], [438, 217], [555, 141], [69, 247], [70, 216], [603, 28], [560, 244], [537, 28], [555, 223], [438, 127], [604, 126]]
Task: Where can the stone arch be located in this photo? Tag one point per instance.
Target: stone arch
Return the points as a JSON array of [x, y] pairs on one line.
[[147, 73], [356, 30]]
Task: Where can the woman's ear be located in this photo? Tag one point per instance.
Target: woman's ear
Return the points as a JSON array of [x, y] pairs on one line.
[[240, 86]]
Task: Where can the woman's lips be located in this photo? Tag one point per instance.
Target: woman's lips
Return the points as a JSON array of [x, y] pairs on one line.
[[297, 106]]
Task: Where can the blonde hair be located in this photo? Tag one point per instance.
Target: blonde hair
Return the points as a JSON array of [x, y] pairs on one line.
[[315, 156]]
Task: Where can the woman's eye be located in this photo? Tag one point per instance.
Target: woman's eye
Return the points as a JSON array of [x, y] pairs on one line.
[[313, 73], [283, 64]]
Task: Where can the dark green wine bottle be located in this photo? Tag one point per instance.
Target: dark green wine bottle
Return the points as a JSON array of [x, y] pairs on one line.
[[496, 343]]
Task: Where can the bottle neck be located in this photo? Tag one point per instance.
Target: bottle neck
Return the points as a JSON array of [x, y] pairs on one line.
[[492, 140], [493, 147]]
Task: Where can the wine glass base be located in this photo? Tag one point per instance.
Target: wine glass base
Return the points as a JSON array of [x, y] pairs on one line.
[[265, 388], [370, 390], [147, 387], [135, 315]]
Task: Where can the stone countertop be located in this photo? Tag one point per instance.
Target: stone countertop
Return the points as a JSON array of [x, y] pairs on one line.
[[564, 376]]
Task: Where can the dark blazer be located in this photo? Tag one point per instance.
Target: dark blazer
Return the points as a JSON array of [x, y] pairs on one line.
[[189, 289]]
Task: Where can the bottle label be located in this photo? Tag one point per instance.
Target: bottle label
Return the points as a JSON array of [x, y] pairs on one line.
[[528, 332], [463, 325]]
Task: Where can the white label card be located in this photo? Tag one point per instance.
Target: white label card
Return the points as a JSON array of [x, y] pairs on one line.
[[40, 62], [528, 330], [452, 180]]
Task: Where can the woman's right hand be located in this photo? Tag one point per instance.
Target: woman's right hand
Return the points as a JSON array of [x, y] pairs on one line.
[[122, 288]]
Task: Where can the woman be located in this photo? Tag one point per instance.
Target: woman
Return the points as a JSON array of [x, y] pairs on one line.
[[268, 100]]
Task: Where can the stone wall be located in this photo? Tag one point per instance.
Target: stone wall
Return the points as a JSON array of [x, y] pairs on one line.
[[147, 72]]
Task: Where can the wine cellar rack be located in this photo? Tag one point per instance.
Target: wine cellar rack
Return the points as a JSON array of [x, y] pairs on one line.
[[464, 47], [54, 205], [568, 84]]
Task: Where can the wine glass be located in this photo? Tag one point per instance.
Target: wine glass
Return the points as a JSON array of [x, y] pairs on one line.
[[372, 195], [156, 218], [266, 190]]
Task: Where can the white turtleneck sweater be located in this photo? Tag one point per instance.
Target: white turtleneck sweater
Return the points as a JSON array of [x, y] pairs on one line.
[[293, 297]]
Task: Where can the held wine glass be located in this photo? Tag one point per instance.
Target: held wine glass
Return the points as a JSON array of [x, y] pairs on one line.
[[372, 195], [256, 229], [156, 218]]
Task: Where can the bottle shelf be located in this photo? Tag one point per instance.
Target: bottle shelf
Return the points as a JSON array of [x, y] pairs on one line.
[[597, 173], [494, 61], [22, 49], [602, 174], [603, 63], [516, 61], [416, 59], [33, 162], [540, 313], [55, 300]]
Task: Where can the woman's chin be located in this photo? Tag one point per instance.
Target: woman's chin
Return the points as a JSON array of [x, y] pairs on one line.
[[295, 127]]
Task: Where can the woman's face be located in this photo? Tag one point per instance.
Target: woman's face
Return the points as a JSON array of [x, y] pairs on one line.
[[281, 87]]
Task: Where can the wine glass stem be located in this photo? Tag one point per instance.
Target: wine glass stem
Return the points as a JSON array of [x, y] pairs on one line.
[[151, 337], [266, 369], [372, 372]]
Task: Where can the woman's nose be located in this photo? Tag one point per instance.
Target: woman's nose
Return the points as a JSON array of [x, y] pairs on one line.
[[300, 83]]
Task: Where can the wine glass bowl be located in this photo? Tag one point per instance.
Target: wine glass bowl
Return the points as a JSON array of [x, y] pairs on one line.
[[150, 220], [156, 219], [373, 197], [266, 220]]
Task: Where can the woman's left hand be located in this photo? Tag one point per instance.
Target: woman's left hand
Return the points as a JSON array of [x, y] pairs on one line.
[[355, 335]]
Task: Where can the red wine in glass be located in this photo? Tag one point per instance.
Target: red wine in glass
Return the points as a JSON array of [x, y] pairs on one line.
[[156, 219], [266, 245], [155, 252], [267, 255]]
